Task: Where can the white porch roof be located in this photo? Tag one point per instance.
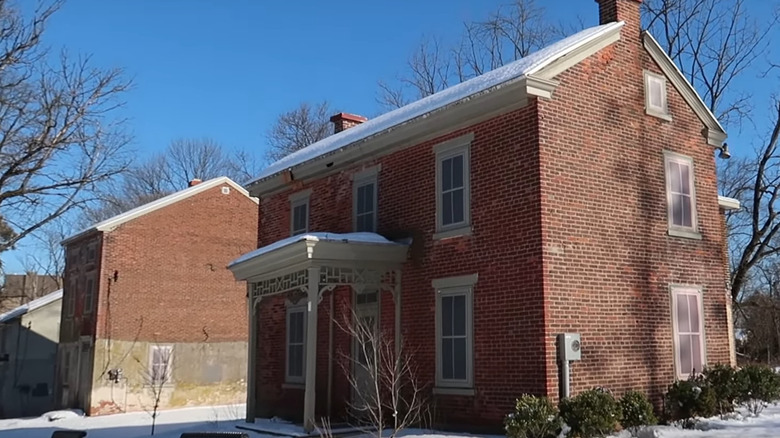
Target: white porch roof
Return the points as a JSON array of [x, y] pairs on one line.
[[318, 249]]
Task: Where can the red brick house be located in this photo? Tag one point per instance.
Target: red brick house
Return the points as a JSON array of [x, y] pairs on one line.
[[148, 303], [572, 191]]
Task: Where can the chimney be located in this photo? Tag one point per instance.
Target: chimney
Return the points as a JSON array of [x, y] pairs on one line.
[[342, 121], [194, 182], [622, 10]]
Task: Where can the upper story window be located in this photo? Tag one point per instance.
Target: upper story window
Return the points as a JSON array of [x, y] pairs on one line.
[[299, 212], [70, 298], [453, 191], [655, 96], [364, 196], [89, 294], [688, 327], [296, 344], [91, 252], [681, 196], [454, 332]]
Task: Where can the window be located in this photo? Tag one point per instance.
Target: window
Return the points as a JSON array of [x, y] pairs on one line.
[[299, 212], [89, 295], [688, 327], [453, 194], [66, 366], [680, 194], [70, 298], [160, 364], [454, 332], [91, 252], [364, 195], [296, 344], [655, 96]]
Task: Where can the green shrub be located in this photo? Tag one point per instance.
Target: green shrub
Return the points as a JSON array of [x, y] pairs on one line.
[[687, 399], [756, 386], [534, 417], [637, 411], [591, 414], [721, 378]]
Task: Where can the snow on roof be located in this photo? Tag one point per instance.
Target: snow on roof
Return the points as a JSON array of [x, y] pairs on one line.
[[510, 72], [32, 305], [113, 222], [360, 238]]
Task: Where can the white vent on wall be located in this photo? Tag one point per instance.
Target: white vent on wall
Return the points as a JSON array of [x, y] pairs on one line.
[[225, 190]]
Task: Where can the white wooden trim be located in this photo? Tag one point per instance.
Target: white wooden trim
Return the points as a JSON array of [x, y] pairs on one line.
[[466, 291], [460, 146], [357, 183], [678, 230], [297, 308], [674, 290], [663, 111], [297, 200]]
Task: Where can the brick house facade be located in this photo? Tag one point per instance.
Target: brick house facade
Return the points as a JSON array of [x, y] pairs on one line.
[[585, 202], [149, 289]]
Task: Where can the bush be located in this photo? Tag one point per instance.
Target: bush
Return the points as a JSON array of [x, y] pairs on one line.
[[637, 411], [687, 399], [721, 378], [756, 386], [534, 417], [593, 413]]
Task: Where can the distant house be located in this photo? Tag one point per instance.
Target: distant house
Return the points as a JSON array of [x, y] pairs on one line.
[[18, 289], [28, 351], [148, 302], [573, 191]]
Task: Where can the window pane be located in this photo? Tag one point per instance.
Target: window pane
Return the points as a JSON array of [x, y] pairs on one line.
[[457, 206], [295, 366], [446, 359], [674, 177], [368, 197], [685, 354], [446, 315], [459, 358], [446, 209], [693, 308], [678, 214], [459, 315], [457, 171], [685, 179], [696, 361], [656, 92], [683, 322], [687, 218], [446, 174]]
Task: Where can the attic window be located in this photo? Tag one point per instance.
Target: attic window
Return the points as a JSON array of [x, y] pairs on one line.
[[655, 96]]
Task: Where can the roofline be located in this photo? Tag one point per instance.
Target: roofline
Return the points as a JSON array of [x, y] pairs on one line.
[[713, 131], [31, 306], [459, 114], [115, 221], [726, 203]]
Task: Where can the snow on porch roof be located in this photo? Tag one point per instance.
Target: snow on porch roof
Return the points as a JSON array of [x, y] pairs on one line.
[[515, 70], [359, 238]]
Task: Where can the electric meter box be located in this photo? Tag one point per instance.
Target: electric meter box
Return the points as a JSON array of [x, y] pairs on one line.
[[569, 346]]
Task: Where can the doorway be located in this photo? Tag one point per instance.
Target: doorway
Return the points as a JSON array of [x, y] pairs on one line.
[[366, 320]]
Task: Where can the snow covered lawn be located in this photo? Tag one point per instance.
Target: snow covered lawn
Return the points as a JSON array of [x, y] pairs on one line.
[[170, 424]]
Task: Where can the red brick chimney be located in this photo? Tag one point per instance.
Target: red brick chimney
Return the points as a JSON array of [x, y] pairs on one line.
[[194, 182], [342, 121], [622, 10]]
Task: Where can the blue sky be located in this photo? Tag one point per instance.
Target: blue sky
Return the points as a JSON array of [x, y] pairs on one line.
[[226, 69]]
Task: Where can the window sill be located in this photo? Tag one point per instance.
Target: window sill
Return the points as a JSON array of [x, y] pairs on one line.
[[662, 116], [685, 234], [455, 232], [293, 385], [453, 391]]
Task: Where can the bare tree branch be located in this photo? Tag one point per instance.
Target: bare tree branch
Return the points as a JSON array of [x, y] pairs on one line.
[[298, 128]]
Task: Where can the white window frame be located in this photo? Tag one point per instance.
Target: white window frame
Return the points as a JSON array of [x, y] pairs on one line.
[[168, 369], [89, 294], [296, 200], [362, 179], [449, 149], [454, 286], [297, 308], [691, 232], [675, 291], [662, 111]]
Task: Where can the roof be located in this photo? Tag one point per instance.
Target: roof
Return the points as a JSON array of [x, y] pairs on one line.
[[114, 222], [511, 72], [32, 305], [727, 203]]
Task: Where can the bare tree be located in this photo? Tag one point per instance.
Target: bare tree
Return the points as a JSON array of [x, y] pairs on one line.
[[512, 32], [49, 259], [385, 378], [156, 377], [298, 128], [58, 142]]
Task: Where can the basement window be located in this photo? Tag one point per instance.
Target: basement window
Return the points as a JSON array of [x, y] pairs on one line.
[[655, 96]]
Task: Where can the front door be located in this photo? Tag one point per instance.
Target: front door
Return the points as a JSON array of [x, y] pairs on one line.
[[366, 322]]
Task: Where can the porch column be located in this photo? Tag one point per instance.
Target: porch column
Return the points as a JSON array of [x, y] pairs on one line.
[[311, 348], [397, 296], [251, 368]]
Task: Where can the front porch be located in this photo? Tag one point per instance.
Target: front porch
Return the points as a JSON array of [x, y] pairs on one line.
[[302, 268]]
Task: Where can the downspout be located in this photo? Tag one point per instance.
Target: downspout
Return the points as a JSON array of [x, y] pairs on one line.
[[330, 354]]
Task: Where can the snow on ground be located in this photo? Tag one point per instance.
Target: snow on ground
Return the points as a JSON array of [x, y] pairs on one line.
[[172, 423]]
